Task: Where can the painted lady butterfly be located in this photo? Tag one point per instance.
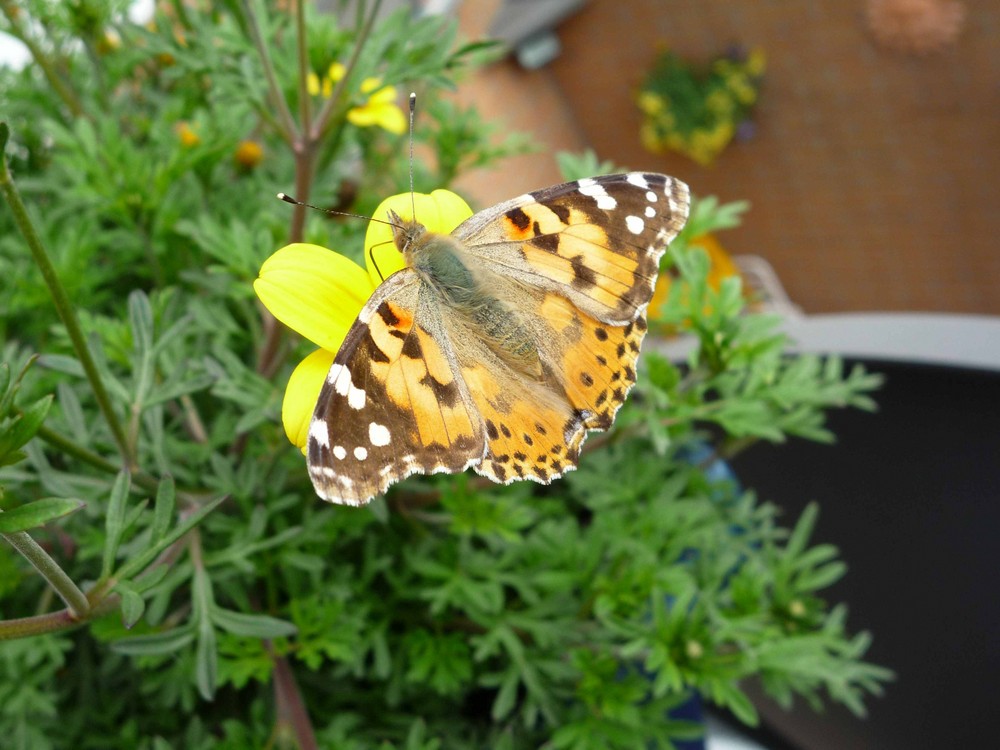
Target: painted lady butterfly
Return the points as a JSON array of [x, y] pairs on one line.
[[500, 345]]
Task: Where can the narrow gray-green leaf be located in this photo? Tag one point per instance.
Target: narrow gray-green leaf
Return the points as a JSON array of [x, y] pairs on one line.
[[62, 363], [252, 626], [4, 381], [163, 510], [138, 563], [206, 661], [133, 605], [37, 513], [31, 419], [141, 319], [114, 523], [156, 644], [140, 315]]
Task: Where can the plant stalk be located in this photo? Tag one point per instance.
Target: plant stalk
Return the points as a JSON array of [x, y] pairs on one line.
[[62, 304], [290, 707], [76, 601], [53, 622]]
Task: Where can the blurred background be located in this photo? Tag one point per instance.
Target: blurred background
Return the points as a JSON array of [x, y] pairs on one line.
[[871, 169]]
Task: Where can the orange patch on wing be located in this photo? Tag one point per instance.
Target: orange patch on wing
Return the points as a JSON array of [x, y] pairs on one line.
[[526, 428], [596, 360], [414, 377]]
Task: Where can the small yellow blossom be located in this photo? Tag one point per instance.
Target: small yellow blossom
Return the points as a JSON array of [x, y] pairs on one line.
[[188, 137], [318, 293], [248, 154], [378, 106], [721, 266]]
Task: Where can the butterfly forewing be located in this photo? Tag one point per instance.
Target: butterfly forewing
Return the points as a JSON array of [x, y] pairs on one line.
[[393, 403], [598, 241]]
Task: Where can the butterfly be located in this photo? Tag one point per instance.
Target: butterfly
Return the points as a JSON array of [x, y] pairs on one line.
[[499, 346]]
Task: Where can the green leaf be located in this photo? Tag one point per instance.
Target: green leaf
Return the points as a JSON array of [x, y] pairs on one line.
[[506, 696], [25, 425], [114, 523], [133, 605], [4, 382], [157, 644], [206, 664], [37, 513], [136, 564], [141, 321], [163, 509], [251, 625]]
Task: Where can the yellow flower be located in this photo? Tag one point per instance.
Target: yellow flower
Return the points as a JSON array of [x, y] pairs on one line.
[[721, 266], [186, 134], [248, 154], [756, 62], [650, 102], [318, 293], [378, 107]]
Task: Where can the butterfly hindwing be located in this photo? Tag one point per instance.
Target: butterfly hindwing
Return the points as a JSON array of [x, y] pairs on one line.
[[393, 403]]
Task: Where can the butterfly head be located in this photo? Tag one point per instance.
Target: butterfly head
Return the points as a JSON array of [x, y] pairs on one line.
[[408, 235]]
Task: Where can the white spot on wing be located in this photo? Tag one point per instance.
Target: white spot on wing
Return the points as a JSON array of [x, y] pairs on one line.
[[355, 398], [339, 452], [319, 432], [331, 377], [635, 224], [361, 453], [650, 212], [592, 189], [342, 385], [651, 196], [637, 179], [378, 434]]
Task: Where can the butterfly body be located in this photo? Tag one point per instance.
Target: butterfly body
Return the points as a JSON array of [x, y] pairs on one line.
[[453, 276], [499, 346]]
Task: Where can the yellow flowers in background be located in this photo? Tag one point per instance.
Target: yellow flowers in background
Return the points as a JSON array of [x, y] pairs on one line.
[[187, 135], [378, 107], [721, 266], [698, 111], [318, 293]]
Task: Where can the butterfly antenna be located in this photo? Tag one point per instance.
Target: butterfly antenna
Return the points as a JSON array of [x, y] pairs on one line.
[[371, 251], [413, 108], [295, 202]]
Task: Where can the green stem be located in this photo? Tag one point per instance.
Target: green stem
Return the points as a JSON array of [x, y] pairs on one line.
[[320, 125], [288, 129], [69, 592], [61, 302], [305, 111], [53, 622]]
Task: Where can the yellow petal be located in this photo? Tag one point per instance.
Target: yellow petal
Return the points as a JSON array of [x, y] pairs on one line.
[[336, 71], [312, 84], [375, 84], [440, 212], [314, 291], [301, 395], [386, 116]]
